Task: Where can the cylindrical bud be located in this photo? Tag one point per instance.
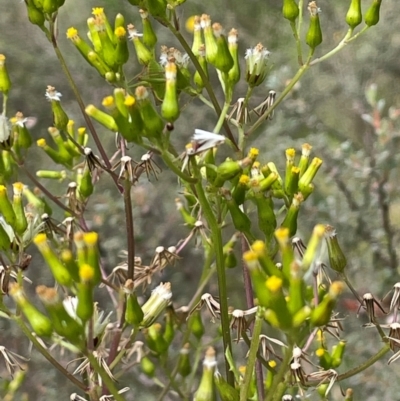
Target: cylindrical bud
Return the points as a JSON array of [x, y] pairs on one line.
[[354, 15], [5, 83], [314, 33], [160, 298], [170, 106], [184, 365], [290, 10], [59, 271], [6, 208], [133, 313], [85, 306], [372, 14], [143, 54], [100, 116], [206, 390], [40, 323], [21, 223], [337, 259]]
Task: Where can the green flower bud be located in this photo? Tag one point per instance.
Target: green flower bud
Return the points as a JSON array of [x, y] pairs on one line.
[[6, 165], [51, 6], [209, 38], [266, 215], [59, 271], [133, 312], [6, 208], [143, 54], [21, 223], [290, 10], [297, 290], [354, 15], [155, 340], [309, 174], [240, 220], [119, 21], [67, 258], [312, 246], [349, 395], [198, 80], [184, 366], [156, 7], [321, 315], [196, 325], [103, 22], [35, 15], [290, 220], [337, 353], [261, 251], [94, 35], [277, 302], [24, 136], [160, 298], [225, 390], [63, 324], [230, 169], [234, 72], [148, 367], [337, 260], [60, 117], [85, 306], [223, 60], [62, 149], [103, 118], [283, 239], [5, 240], [187, 217], [85, 185], [256, 65], [5, 83], [40, 323], [372, 14], [96, 61], [52, 153], [325, 360], [121, 52], [301, 316], [206, 390], [197, 37], [314, 33], [170, 321], [239, 192], [292, 181], [81, 250], [170, 106], [83, 137], [92, 255], [149, 36], [258, 277], [153, 123]]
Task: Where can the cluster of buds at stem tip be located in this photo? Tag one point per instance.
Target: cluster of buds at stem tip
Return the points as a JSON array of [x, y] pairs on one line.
[[314, 33]]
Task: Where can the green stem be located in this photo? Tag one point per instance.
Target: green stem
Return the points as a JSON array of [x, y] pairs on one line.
[[5, 97], [339, 47], [47, 355], [298, 43], [300, 19], [216, 239], [251, 360], [272, 392], [167, 160], [203, 76], [365, 365], [344, 277], [285, 92], [130, 233], [222, 116], [105, 377]]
